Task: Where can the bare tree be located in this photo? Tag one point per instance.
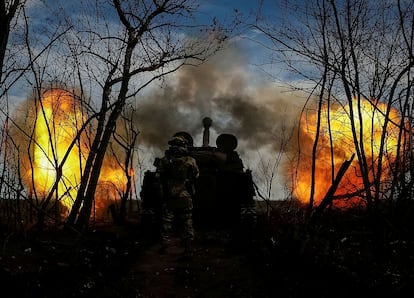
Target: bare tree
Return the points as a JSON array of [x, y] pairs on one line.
[[18, 56], [125, 137], [144, 45], [9, 11], [353, 51], [267, 169], [110, 59], [8, 15]]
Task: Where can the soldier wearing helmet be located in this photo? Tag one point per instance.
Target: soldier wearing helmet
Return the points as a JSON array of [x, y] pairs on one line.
[[177, 172]]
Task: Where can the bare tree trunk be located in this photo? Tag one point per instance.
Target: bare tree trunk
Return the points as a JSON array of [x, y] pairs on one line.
[[98, 156], [7, 14], [130, 140], [329, 196]]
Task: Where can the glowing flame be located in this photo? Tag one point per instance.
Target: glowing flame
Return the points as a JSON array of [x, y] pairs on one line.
[[341, 149], [58, 121]]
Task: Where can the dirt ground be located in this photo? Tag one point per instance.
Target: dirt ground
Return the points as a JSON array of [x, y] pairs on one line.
[[216, 269], [278, 259], [122, 264]]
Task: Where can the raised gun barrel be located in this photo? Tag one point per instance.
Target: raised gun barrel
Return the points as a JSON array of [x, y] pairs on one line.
[[206, 133]]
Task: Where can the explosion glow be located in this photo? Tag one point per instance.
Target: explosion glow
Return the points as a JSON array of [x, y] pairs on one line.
[[58, 120], [341, 148]]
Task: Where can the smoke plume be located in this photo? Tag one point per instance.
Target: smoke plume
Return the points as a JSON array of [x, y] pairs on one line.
[[259, 114]]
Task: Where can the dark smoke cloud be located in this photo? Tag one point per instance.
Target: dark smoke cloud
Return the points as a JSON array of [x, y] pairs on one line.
[[259, 114]]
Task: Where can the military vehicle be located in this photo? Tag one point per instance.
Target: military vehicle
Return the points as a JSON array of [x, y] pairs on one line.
[[224, 191]]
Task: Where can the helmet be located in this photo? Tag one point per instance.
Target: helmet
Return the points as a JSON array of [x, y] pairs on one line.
[[226, 142], [179, 141], [187, 136]]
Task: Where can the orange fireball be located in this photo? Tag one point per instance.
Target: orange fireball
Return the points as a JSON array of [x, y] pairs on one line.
[[57, 140], [336, 145], [58, 118]]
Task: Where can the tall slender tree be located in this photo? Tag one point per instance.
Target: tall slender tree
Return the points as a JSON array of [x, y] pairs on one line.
[[143, 41]]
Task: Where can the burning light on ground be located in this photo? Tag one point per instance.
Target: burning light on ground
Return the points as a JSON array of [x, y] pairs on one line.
[[58, 120], [340, 147]]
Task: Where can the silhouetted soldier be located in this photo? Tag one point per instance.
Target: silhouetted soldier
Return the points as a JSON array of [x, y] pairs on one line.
[[177, 172]]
